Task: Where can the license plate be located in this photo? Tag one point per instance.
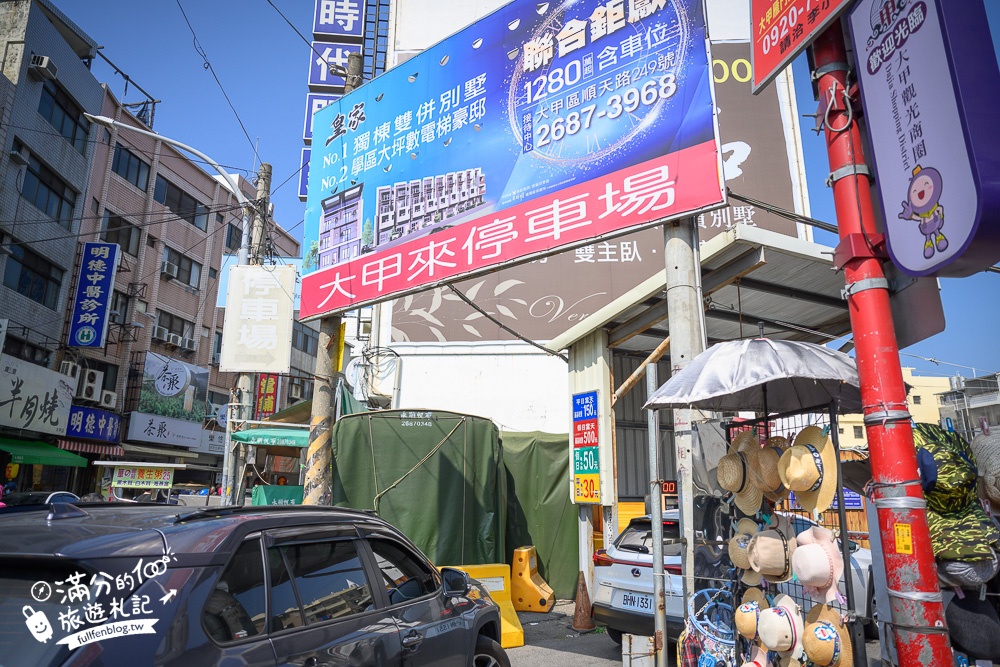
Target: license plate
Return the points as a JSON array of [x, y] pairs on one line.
[[636, 601]]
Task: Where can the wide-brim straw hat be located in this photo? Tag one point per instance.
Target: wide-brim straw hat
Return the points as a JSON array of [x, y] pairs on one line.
[[826, 640], [770, 554], [740, 542], [737, 472], [755, 595], [780, 629], [809, 468], [767, 468]]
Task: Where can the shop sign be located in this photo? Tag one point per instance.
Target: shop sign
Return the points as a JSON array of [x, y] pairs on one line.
[[272, 494], [88, 325], [172, 403], [314, 102], [782, 29], [541, 127], [339, 18], [93, 423], [144, 477], [586, 453], [212, 442], [929, 77], [321, 56], [33, 397], [257, 335], [267, 395]]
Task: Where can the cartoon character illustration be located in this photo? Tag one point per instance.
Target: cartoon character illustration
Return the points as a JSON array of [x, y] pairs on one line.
[[924, 206], [38, 623]]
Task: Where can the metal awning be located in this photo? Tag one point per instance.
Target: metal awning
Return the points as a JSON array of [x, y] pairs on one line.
[[157, 451], [749, 275], [103, 449], [273, 437], [30, 452]]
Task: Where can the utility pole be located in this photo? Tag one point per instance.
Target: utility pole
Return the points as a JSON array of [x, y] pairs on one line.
[[242, 398], [916, 609], [318, 488]]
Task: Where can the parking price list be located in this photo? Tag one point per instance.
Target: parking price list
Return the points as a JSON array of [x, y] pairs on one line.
[[586, 470]]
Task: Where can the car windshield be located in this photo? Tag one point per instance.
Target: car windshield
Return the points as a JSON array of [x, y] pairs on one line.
[[638, 537]]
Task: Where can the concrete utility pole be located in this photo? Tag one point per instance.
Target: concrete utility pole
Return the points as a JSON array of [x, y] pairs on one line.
[[243, 398], [319, 482]]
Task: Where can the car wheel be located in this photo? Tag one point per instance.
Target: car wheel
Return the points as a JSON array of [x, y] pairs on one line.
[[871, 628], [489, 654], [616, 636]]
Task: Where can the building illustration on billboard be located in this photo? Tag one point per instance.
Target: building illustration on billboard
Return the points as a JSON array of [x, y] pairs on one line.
[[589, 119]]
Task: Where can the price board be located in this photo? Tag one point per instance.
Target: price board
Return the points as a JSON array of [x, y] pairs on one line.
[[586, 453]]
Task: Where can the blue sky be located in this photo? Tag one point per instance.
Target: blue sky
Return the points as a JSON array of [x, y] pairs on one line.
[[262, 65]]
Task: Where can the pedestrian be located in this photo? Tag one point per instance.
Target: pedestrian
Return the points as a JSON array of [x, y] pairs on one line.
[[2, 503], [10, 487]]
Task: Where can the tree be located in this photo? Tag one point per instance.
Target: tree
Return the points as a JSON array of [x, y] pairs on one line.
[[311, 259], [367, 233]]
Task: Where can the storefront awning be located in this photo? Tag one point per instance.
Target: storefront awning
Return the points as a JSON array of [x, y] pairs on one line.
[[157, 451], [273, 437], [91, 447], [30, 452]]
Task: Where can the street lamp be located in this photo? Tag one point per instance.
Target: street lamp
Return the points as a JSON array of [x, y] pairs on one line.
[[243, 257]]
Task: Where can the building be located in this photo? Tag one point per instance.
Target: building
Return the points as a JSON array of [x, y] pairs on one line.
[[970, 404]]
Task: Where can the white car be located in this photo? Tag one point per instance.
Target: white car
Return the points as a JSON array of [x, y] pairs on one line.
[[623, 580]]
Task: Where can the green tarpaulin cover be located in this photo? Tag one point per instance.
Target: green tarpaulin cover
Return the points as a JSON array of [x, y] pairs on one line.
[[539, 511], [437, 476], [272, 494], [30, 452]]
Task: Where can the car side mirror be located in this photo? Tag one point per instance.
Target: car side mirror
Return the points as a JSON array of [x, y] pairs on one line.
[[456, 582]]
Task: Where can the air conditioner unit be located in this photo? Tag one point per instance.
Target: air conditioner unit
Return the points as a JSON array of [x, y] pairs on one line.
[[89, 388], [175, 340], [188, 344], [168, 269], [109, 399], [69, 368], [295, 391], [20, 157], [160, 333], [42, 67], [216, 357]]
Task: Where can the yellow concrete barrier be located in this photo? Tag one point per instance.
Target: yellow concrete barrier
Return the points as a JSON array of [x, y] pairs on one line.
[[496, 578], [531, 593]]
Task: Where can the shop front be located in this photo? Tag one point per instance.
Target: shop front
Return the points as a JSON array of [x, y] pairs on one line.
[[274, 469], [33, 465]]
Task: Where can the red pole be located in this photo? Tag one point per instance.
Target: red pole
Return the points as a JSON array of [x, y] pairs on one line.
[[911, 573]]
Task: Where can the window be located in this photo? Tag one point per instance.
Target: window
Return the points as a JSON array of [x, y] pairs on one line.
[[236, 607], [327, 578], [305, 338], [188, 271], [638, 537], [181, 203], [49, 193], [65, 115], [119, 307], [212, 273], [859, 432], [110, 373], [22, 349], [31, 275], [916, 400], [130, 167], [299, 388], [217, 343], [234, 238], [116, 229], [404, 577], [174, 323], [150, 241]]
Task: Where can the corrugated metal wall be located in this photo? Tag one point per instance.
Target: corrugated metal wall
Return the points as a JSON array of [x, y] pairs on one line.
[[631, 430]]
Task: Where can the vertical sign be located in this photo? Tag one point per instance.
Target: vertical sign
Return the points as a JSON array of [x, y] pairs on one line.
[[339, 18], [267, 395], [92, 301], [586, 462], [257, 335], [782, 29]]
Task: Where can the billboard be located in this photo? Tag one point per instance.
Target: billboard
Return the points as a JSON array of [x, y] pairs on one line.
[[540, 127], [267, 395], [33, 397], [928, 76], [93, 423], [88, 325], [257, 334], [172, 402], [542, 299]]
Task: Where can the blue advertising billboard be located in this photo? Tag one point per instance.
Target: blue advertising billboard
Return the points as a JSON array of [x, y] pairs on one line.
[[539, 128], [88, 326]]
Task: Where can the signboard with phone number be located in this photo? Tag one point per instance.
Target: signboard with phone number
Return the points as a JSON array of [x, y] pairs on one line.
[[586, 458]]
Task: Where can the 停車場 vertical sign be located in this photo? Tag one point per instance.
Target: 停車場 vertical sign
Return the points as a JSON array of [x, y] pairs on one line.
[[929, 75], [782, 29], [88, 326], [257, 335], [540, 127], [586, 461]]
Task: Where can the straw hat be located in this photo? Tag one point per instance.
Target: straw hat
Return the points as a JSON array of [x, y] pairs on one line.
[[738, 543], [826, 640], [780, 629], [809, 468], [757, 657], [737, 472], [749, 610], [755, 595], [817, 564], [770, 553], [767, 468]]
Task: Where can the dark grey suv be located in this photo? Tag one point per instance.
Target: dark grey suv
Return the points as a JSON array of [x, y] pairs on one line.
[[111, 584]]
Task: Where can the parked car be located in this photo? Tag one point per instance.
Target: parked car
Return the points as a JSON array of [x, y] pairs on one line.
[[39, 497], [231, 585], [623, 580]]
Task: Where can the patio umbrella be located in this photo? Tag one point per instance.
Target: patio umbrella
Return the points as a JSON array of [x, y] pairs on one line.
[[761, 374]]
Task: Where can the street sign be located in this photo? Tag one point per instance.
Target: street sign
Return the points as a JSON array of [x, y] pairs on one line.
[[782, 29], [929, 76], [586, 451]]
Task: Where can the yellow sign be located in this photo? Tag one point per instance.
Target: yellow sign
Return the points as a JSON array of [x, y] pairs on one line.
[[338, 346], [587, 488], [145, 477], [904, 539], [12, 470]]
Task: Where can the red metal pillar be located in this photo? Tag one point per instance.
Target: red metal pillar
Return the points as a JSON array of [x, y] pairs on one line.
[[909, 561]]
